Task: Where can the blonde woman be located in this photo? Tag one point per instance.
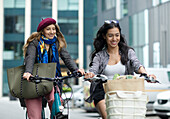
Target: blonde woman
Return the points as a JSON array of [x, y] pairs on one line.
[[44, 46]]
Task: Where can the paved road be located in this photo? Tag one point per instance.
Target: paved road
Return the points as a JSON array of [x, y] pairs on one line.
[[12, 110]]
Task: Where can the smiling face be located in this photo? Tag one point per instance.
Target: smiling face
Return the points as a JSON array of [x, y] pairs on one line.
[[112, 37], [49, 31]]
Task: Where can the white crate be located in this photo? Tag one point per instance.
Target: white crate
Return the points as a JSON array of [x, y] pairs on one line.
[[126, 104]]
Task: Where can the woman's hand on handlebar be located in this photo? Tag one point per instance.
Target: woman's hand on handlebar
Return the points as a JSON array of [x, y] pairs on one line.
[[81, 71], [89, 75], [152, 75], [149, 78], [27, 75]]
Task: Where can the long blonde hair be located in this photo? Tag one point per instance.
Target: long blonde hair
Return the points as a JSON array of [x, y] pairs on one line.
[[37, 35]]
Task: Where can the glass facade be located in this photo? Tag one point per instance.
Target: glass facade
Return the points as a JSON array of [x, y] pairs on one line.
[[168, 75], [108, 4], [68, 4], [68, 26], [46, 4], [163, 1], [139, 36], [95, 12], [124, 8], [13, 50], [68, 22], [121, 8], [14, 3], [73, 50], [157, 2], [14, 24], [14, 29], [156, 54]]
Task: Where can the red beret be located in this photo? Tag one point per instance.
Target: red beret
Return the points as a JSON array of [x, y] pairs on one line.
[[44, 23]]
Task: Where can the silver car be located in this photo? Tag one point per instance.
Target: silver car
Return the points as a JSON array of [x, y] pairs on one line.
[[162, 105]]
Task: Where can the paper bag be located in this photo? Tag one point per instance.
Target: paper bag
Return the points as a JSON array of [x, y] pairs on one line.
[[123, 84]]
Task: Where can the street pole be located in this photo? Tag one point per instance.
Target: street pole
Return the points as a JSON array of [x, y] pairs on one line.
[[27, 19], [81, 36], [55, 10], [1, 44]]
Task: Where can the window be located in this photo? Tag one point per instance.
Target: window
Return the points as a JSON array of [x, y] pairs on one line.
[[14, 3], [13, 51], [14, 24], [72, 48], [156, 54], [95, 7], [108, 4], [46, 4], [168, 75], [124, 7], [121, 8], [68, 4], [163, 1], [95, 21], [68, 26], [155, 2], [138, 36]]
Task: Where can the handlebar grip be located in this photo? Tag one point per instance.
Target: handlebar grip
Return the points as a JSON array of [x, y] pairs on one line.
[[34, 79], [31, 78], [79, 74], [76, 74], [148, 78]]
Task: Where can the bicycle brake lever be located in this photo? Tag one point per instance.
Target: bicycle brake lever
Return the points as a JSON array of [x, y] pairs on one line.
[[149, 79], [152, 80]]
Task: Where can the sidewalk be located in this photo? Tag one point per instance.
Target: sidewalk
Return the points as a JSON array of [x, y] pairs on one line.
[[11, 109]]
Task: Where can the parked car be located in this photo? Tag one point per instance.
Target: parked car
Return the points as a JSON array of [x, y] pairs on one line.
[[66, 92], [74, 96], [162, 105], [78, 97], [152, 89]]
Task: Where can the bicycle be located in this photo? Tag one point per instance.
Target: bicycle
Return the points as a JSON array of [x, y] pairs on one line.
[[116, 97], [57, 110]]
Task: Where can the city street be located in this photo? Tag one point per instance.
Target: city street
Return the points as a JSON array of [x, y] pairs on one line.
[[12, 110]]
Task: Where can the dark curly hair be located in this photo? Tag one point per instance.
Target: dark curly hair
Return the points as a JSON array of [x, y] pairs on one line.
[[100, 43]]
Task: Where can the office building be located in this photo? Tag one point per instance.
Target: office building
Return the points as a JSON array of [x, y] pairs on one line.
[[20, 18]]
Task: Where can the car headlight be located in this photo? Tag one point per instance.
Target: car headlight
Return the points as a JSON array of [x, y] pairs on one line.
[[161, 102]]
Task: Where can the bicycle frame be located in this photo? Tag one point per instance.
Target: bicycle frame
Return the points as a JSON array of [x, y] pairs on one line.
[[57, 107]]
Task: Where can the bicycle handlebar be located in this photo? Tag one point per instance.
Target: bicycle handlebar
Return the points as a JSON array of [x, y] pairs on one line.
[[37, 79], [149, 78], [103, 78], [98, 77]]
